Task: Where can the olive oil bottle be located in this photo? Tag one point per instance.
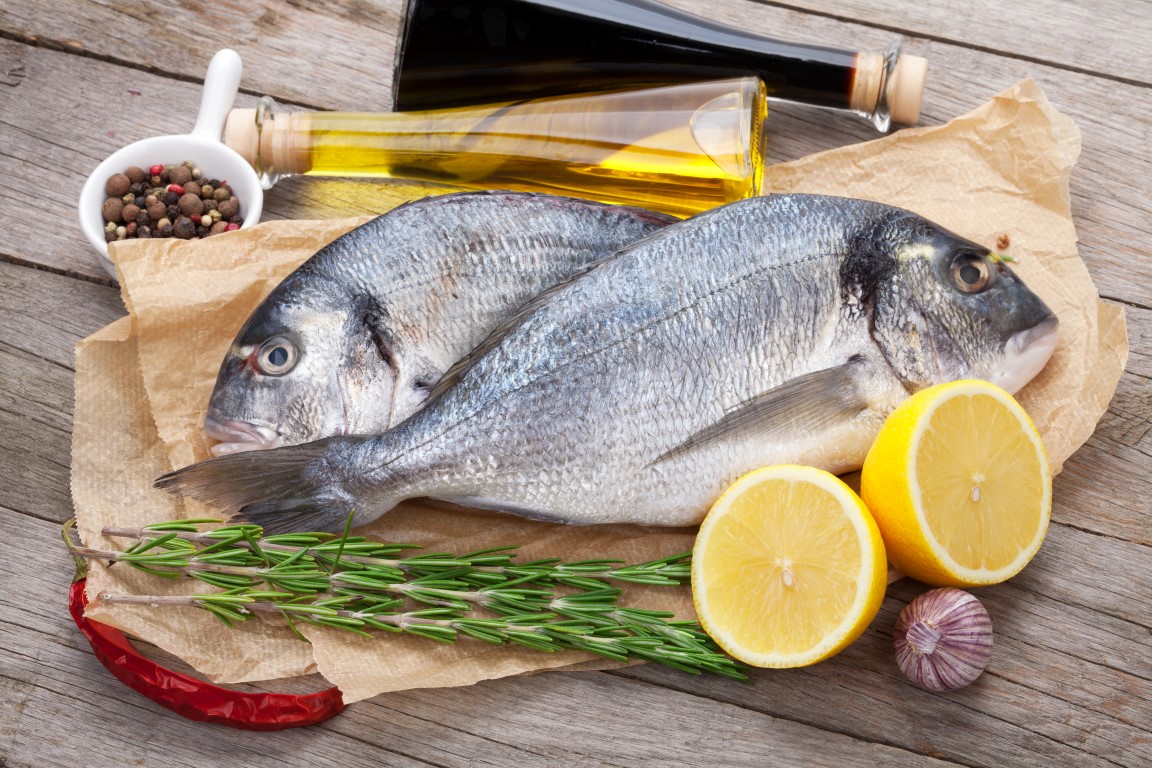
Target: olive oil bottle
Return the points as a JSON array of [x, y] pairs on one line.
[[458, 52], [679, 149]]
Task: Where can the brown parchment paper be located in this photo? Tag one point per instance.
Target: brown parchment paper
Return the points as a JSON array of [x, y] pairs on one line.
[[142, 385]]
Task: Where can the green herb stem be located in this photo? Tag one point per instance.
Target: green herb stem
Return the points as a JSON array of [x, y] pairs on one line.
[[356, 585]]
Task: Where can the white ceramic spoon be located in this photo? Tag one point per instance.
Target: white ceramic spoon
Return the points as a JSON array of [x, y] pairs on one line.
[[202, 146]]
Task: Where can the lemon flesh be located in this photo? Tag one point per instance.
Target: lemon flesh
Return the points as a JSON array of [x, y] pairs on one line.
[[788, 568], [959, 483]]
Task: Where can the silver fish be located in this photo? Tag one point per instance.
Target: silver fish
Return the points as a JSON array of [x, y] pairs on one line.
[[775, 329], [353, 340]]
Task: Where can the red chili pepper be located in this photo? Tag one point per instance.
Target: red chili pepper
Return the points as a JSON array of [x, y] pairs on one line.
[[193, 698]]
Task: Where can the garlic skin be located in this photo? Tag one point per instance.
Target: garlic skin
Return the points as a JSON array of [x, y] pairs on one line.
[[943, 639]]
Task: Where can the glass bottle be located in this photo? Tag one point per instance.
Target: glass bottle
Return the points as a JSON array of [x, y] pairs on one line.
[[678, 149], [456, 52]]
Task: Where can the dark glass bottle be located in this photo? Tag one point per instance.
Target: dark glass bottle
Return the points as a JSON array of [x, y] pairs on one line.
[[461, 52]]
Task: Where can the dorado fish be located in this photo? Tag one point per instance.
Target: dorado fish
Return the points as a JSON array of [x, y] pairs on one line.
[[353, 340], [770, 330]]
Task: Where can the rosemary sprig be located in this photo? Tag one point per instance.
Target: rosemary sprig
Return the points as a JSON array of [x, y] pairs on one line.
[[490, 565], [357, 585]]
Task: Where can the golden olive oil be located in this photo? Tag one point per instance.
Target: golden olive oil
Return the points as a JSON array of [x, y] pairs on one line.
[[678, 149]]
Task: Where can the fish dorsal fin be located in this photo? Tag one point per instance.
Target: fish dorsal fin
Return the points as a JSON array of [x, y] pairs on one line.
[[807, 403]]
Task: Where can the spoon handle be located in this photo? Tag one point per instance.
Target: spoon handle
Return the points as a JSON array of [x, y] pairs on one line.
[[220, 87]]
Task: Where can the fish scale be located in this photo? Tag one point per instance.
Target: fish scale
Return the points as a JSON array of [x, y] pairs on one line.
[[771, 330]]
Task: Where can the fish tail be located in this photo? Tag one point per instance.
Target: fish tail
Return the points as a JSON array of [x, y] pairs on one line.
[[290, 489]]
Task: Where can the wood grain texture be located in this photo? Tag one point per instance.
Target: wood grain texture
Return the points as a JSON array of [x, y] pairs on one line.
[[1108, 38], [1071, 678], [41, 317]]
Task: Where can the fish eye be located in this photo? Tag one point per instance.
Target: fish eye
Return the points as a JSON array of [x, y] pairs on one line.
[[970, 272], [276, 356]]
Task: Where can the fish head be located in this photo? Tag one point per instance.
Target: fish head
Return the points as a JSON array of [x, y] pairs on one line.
[[946, 308], [303, 367]]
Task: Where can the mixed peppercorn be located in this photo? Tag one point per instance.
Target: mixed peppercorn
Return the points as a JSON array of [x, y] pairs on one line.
[[168, 201]]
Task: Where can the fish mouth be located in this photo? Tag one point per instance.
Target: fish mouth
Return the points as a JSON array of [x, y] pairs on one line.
[[1025, 355], [235, 435]]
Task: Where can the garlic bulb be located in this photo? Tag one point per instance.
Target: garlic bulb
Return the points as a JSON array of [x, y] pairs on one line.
[[943, 639]]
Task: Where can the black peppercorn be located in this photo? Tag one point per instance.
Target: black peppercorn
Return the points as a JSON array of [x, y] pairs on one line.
[[183, 228]]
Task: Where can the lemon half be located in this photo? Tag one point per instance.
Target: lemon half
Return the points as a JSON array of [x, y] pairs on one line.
[[788, 568], [959, 483]]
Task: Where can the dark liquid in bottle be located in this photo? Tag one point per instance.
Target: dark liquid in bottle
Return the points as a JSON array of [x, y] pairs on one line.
[[465, 52]]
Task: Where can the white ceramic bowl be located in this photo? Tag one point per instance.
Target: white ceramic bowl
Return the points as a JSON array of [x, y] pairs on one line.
[[202, 146]]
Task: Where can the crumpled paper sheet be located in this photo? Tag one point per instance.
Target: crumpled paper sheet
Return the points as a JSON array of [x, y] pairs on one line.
[[142, 385]]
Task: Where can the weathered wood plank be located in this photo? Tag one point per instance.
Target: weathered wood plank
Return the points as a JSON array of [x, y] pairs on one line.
[[286, 55], [36, 421], [1063, 34], [1106, 486], [42, 316], [296, 50]]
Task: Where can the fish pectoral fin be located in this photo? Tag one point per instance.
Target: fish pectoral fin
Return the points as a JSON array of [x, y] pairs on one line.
[[808, 403]]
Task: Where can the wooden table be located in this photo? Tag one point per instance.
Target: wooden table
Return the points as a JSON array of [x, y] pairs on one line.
[[1071, 681]]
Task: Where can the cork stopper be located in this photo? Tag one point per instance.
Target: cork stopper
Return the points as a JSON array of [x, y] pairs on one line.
[[888, 86], [242, 134], [906, 88], [276, 145]]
